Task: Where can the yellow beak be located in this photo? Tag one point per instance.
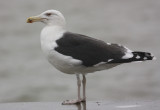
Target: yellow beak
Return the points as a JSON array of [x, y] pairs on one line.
[[34, 19]]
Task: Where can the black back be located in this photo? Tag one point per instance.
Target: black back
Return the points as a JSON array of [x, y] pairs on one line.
[[89, 50]]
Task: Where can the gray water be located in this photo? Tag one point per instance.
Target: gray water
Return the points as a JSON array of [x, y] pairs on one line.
[[25, 74]]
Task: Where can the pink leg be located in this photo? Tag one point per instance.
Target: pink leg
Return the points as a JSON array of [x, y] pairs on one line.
[[69, 102]]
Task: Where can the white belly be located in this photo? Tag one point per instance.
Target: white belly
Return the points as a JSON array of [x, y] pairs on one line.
[[64, 63]]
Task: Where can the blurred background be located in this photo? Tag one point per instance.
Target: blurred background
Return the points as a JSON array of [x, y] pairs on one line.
[[26, 75]]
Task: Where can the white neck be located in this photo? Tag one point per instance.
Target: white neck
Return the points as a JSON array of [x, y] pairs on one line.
[[49, 35], [51, 32]]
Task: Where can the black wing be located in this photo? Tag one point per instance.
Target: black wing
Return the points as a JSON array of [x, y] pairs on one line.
[[89, 50]]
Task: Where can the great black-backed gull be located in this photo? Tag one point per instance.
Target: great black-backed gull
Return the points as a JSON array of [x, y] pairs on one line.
[[73, 53]]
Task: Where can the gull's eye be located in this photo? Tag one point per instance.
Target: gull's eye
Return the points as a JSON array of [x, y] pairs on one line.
[[48, 14]]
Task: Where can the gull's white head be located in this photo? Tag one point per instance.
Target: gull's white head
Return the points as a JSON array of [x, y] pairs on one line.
[[49, 17]]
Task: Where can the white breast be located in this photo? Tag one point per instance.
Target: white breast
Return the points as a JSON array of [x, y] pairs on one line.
[[66, 64]]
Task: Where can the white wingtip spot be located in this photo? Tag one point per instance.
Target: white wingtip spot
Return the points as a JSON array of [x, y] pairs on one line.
[[154, 58], [138, 57], [110, 60], [101, 63], [127, 55], [145, 58], [108, 43]]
